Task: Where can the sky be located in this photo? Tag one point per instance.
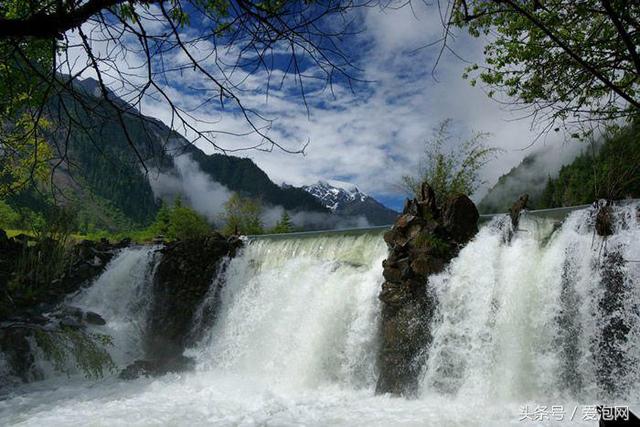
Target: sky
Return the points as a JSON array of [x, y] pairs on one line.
[[371, 134]]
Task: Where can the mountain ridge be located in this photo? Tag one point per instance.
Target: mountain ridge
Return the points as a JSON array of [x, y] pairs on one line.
[[351, 202]]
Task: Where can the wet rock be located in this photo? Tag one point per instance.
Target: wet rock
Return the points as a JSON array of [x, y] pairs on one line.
[[124, 243], [611, 355], [404, 220], [517, 208], [156, 367], [422, 242], [182, 279], [14, 344], [604, 221], [394, 294], [460, 218], [93, 318]]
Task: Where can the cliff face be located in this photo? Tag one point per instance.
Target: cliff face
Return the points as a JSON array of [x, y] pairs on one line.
[[422, 242], [181, 281]]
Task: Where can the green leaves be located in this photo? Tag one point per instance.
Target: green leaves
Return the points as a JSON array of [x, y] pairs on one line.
[[448, 169], [242, 216], [564, 57], [179, 222]]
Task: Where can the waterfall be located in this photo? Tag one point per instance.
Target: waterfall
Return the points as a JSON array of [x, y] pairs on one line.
[[300, 311], [524, 320], [122, 296], [547, 314]]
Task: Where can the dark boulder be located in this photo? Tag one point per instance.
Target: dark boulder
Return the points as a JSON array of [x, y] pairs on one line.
[[14, 344], [604, 221], [156, 367], [461, 218], [93, 318], [517, 208], [611, 356], [181, 282], [422, 242]]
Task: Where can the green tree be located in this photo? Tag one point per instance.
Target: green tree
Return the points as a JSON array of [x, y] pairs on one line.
[[24, 154], [242, 216], [613, 172], [163, 220], [8, 217], [42, 40], [185, 223], [284, 225], [571, 60], [450, 167]]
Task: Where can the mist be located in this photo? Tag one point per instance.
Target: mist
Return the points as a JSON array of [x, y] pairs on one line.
[[312, 220], [532, 174], [195, 187], [208, 197]]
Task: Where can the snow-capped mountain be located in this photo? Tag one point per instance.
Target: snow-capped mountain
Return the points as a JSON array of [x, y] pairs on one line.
[[350, 201], [332, 197]]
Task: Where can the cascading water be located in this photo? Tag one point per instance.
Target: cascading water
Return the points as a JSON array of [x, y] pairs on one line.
[[301, 312], [122, 296], [524, 320], [546, 316]]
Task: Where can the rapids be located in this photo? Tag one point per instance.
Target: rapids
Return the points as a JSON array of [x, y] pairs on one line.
[[519, 326]]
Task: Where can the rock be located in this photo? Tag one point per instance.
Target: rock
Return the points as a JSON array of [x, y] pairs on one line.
[[392, 274], [517, 208], [70, 322], [14, 344], [393, 293], [23, 239], [421, 242], [428, 202], [425, 265], [404, 220], [461, 218], [611, 356], [182, 280], [93, 318], [604, 221], [156, 367]]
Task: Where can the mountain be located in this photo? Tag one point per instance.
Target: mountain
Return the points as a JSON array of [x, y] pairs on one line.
[[530, 176], [351, 202], [612, 172], [102, 176]]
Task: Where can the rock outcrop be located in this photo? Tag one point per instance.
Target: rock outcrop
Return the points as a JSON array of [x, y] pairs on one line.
[[181, 282], [31, 305], [422, 242], [604, 219], [516, 209], [156, 367]]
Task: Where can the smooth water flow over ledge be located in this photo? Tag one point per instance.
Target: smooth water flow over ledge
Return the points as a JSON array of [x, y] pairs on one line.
[[557, 214], [519, 322]]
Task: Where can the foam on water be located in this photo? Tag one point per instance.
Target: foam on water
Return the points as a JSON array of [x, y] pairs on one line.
[[295, 339], [122, 296]]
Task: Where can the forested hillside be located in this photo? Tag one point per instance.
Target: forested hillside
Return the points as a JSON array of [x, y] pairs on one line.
[[607, 169], [104, 180], [613, 173]]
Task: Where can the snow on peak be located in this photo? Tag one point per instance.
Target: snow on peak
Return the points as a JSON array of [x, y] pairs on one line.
[[332, 194]]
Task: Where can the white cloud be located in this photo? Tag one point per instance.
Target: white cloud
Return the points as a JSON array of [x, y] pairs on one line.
[[370, 138], [200, 191]]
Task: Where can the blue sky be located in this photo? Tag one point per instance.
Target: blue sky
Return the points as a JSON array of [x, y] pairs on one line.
[[370, 136]]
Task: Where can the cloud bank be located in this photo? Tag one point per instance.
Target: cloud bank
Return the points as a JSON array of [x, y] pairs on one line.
[[370, 136]]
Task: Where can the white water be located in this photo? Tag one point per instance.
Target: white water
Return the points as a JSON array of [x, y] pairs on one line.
[[295, 340], [122, 296]]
